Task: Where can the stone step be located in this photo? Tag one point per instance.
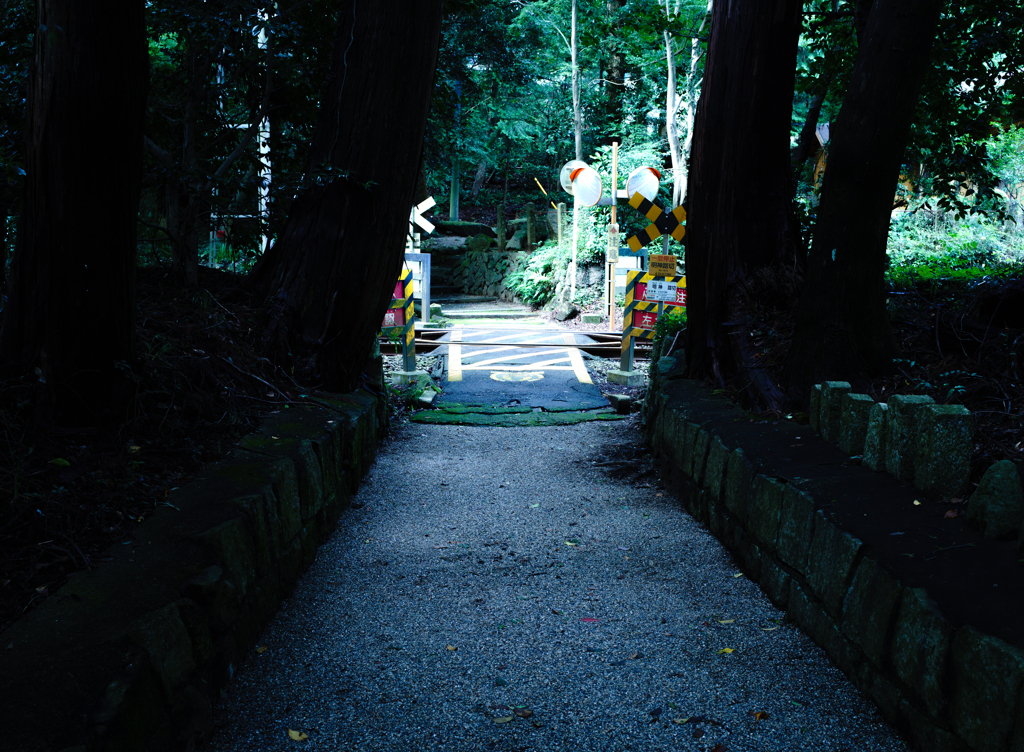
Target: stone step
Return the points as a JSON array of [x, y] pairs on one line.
[[501, 313], [459, 297]]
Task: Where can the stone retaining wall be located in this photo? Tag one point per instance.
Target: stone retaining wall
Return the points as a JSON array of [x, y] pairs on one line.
[[947, 686], [128, 656], [485, 272]]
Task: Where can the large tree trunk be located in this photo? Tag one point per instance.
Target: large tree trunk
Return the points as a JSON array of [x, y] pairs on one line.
[[329, 278], [71, 313], [843, 329], [740, 223], [615, 83]]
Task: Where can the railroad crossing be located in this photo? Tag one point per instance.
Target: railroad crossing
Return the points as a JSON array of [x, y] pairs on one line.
[[507, 366]]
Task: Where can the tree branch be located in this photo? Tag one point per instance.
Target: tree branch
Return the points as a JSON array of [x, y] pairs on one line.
[[162, 229], [243, 143], [159, 154]]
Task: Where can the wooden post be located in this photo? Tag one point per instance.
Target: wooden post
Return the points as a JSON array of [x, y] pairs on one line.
[[575, 245], [531, 227], [502, 237], [613, 238]]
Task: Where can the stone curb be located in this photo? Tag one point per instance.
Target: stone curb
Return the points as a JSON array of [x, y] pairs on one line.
[[129, 656], [945, 688]]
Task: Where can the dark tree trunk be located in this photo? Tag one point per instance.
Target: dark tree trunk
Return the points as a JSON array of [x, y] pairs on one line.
[[807, 142], [740, 226], [71, 313], [4, 203], [615, 83], [329, 278], [843, 329]]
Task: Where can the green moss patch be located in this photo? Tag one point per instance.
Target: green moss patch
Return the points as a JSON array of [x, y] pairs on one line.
[[510, 419]]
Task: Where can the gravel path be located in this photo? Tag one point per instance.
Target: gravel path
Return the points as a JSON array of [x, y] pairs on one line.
[[494, 589]]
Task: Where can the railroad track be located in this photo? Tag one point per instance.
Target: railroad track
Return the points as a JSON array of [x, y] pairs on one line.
[[605, 345]]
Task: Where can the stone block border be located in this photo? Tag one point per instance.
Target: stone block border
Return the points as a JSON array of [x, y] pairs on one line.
[[946, 688], [911, 437], [128, 656]]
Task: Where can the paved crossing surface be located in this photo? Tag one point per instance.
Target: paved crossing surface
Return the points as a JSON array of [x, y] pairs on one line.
[[509, 364]]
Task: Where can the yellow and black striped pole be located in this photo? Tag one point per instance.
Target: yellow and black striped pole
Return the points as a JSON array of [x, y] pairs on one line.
[[632, 305], [408, 326]]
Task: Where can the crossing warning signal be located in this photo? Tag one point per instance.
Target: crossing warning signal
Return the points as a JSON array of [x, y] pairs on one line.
[[662, 222]]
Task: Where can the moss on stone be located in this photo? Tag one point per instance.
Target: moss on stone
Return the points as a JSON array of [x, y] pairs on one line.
[[855, 411], [920, 650], [868, 609], [874, 440], [833, 553], [438, 417]]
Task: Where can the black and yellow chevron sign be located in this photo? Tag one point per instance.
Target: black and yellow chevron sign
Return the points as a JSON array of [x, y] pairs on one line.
[[664, 223]]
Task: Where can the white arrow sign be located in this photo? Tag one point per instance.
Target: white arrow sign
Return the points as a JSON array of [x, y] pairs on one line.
[[416, 215]]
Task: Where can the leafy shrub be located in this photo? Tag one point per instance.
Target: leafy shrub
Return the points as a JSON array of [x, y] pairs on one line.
[[535, 283], [669, 324]]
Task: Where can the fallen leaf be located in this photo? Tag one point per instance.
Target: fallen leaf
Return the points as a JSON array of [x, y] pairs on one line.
[[769, 629], [634, 656], [623, 548], [680, 721], [950, 514], [917, 503], [261, 649], [450, 647], [589, 619], [60, 462], [570, 543], [726, 621], [297, 736], [523, 712], [556, 612], [504, 719], [534, 506], [758, 715], [133, 449], [500, 682], [726, 651], [738, 574], [659, 494]]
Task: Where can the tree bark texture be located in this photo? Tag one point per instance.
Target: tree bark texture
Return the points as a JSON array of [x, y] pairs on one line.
[[740, 225], [71, 313], [842, 328], [615, 83], [329, 278]]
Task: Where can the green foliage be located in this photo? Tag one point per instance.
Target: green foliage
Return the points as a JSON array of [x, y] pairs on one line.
[[935, 249], [536, 282], [669, 324]]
